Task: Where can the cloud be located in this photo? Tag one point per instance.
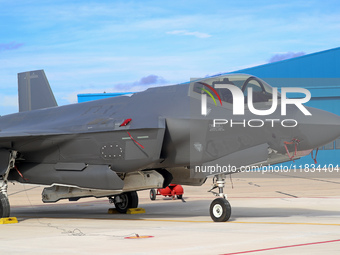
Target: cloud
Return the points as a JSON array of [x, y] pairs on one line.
[[143, 83], [284, 56], [185, 32], [10, 46], [151, 79], [6, 100]]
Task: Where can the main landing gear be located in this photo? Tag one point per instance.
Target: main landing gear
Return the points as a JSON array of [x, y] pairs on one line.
[[125, 201], [4, 202], [220, 209]]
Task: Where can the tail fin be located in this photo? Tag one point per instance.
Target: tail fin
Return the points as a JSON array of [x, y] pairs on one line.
[[34, 91]]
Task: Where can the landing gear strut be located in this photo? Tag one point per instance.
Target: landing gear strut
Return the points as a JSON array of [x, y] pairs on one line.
[[125, 201], [4, 202], [220, 209]]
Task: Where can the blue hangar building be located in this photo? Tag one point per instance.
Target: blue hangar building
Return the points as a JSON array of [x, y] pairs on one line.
[[318, 72]]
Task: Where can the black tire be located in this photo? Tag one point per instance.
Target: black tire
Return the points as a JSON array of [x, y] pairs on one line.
[[220, 210], [129, 200], [134, 199], [153, 194], [4, 206], [179, 196]]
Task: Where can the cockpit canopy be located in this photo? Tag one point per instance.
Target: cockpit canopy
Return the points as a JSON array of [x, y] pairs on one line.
[[262, 92]]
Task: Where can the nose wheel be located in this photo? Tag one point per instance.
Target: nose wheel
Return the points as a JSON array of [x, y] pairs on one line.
[[220, 209]]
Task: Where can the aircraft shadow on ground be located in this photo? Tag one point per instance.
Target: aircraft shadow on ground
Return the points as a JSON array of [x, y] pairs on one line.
[[162, 209]]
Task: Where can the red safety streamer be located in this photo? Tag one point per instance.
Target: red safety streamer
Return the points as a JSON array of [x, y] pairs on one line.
[[295, 142], [135, 141], [316, 154], [20, 173], [125, 123]]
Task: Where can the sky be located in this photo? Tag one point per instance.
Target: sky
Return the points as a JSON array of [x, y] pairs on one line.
[[114, 46]]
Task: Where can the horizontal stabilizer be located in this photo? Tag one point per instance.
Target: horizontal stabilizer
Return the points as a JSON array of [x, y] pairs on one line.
[[34, 91]]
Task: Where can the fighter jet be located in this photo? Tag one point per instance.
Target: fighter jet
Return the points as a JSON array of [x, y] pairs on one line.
[[171, 134]]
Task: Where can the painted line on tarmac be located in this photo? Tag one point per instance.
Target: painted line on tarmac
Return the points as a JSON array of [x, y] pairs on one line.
[[282, 247], [20, 191], [246, 222], [290, 195], [287, 223], [191, 221]]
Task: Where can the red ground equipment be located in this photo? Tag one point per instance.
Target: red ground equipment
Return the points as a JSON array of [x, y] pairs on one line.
[[172, 190]]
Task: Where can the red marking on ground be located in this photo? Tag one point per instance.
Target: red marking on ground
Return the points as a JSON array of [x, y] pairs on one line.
[[282, 247], [138, 237], [208, 197]]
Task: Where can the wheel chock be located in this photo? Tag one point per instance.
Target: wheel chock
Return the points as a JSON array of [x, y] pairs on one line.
[[10, 220], [112, 211], [129, 211], [135, 210]]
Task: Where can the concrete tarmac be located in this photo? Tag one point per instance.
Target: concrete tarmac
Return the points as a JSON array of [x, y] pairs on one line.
[[271, 214]]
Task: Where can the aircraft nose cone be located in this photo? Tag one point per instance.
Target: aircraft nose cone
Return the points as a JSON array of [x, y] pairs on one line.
[[318, 129]]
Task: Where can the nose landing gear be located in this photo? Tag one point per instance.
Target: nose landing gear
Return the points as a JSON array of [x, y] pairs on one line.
[[220, 209]]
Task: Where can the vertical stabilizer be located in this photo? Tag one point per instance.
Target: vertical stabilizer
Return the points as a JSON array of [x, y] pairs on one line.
[[34, 91]]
